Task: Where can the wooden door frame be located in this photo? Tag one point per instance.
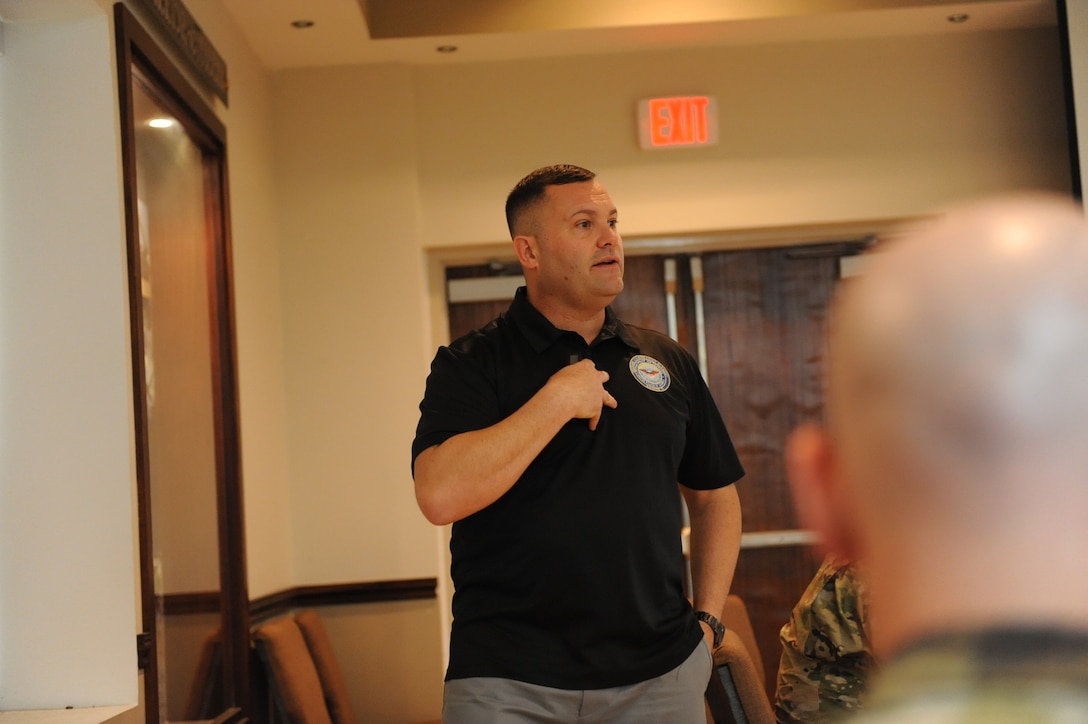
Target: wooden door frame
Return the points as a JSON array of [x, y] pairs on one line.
[[137, 48]]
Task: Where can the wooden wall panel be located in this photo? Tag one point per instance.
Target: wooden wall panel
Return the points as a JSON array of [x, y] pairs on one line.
[[642, 302], [766, 316], [765, 330]]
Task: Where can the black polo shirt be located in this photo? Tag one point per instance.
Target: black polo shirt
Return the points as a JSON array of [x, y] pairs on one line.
[[574, 578]]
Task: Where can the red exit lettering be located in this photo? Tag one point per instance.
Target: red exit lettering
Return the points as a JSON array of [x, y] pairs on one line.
[[678, 121]]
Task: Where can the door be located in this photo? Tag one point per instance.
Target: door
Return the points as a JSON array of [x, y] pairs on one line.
[[765, 314], [193, 594]]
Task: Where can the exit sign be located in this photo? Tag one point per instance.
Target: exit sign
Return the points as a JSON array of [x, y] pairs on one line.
[[678, 121]]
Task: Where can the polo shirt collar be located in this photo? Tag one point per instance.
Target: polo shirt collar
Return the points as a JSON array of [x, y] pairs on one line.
[[541, 333]]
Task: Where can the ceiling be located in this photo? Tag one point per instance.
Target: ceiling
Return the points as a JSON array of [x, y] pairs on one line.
[[348, 32]]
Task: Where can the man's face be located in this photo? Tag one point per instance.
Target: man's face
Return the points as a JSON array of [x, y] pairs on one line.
[[579, 250]]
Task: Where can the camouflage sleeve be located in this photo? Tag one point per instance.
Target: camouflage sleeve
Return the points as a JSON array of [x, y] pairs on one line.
[[826, 656]]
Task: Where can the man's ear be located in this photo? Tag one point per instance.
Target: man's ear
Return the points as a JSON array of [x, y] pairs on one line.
[[527, 251], [819, 497]]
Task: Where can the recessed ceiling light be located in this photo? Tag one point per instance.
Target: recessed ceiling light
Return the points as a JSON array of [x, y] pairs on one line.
[[161, 122], [958, 18], [302, 24], [446, 48]]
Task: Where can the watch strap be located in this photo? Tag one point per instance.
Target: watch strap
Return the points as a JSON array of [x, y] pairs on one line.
[[715, 625]]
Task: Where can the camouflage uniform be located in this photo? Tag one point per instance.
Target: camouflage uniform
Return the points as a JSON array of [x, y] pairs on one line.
[[1012, 676], [826, 655]]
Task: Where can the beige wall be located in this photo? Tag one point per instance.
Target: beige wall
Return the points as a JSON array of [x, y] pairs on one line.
[[66, 466], [378, 164], [353, 321], [813, 132], [386, 653]]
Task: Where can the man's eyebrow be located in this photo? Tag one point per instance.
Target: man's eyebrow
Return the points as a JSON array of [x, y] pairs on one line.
[[592, 211]]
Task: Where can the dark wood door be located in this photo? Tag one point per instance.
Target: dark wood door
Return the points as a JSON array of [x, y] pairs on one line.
[[765, 316], [193, 596]]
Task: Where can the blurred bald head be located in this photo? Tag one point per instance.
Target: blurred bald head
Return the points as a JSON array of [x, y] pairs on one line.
[[955, 462], [961, 351]]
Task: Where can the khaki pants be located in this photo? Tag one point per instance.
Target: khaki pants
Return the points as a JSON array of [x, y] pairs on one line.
[[675, 697]]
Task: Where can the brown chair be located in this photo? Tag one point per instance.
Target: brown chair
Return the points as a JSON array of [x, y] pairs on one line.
[[206, 691], [328, 667], [293, 681], [735, 617], [736, 693]]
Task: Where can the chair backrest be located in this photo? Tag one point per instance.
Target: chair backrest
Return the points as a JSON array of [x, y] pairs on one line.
[[293, 679], [206, 690], [735, 617], [736, 693], [328, 666]]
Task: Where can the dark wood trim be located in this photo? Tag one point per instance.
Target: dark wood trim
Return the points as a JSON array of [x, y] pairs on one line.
[[228, 436], [271, 605], [181, 99], [181, 29], [179, 604], [140, 59], [347, 593], [340, 594], [1070, 100], [333, 594], [125, 28]]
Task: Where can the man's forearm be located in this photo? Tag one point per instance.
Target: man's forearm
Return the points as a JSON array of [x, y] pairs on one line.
[[715, 545], [469, 471]]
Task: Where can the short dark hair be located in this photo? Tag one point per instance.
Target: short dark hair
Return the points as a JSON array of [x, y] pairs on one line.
[[531, 188]]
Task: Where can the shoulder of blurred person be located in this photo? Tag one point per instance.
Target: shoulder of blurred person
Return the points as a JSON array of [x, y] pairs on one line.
[[1013, 676]]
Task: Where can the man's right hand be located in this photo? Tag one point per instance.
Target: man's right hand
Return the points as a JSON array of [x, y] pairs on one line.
[[471, 470], [580, 387]]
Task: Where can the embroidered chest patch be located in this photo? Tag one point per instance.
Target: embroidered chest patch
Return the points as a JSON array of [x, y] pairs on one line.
[[650, 373]]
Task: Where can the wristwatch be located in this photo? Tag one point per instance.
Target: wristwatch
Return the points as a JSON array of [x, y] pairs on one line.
[[714, 624]]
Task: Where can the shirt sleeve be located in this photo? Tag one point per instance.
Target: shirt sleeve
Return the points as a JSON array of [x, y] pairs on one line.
[[710, 459], [460, 396]]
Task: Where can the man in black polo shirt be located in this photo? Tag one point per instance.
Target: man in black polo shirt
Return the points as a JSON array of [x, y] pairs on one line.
[[553, 439]]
